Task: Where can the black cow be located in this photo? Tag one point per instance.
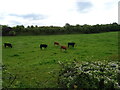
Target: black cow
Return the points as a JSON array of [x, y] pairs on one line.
[[7, 45], [43, 46], [71, 44]]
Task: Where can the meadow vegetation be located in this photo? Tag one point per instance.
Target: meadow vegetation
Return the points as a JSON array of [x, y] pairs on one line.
[[27, 66]]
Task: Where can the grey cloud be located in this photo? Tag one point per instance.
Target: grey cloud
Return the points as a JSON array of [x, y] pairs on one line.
[[15, 22], [30, 16], [84, 7]]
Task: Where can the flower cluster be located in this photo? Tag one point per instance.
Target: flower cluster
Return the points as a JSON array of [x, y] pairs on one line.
[[97, 74]]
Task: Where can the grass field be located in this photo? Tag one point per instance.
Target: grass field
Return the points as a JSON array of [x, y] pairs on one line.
[[33, 65]]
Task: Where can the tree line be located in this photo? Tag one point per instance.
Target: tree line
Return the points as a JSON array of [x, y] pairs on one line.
[[51, 30]]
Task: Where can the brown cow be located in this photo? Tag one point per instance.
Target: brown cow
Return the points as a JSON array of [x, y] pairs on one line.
[[56, 43], [63, 47]]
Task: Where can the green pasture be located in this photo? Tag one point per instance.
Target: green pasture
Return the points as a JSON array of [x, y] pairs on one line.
[[33, 65]]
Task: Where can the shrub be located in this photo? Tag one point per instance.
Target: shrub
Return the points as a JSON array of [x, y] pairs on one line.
[[99, 74], [12, 33], [7, 77]]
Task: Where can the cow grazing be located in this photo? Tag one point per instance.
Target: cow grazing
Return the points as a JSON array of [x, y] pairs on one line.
[[56, 43], [7, 45], [63, 47], [43, 46], [71, 44]]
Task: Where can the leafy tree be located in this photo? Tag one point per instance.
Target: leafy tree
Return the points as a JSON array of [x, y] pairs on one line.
[[67, 29], [12, 33], [5, 30]]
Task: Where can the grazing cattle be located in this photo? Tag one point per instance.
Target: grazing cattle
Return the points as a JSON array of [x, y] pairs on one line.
[[7, 45], [63, 47], [43, 46], [71, 44], [56, 43]]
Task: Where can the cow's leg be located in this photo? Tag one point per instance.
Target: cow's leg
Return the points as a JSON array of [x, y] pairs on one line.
[[5, 45], [68, 45], [41, 48], [72, 45]]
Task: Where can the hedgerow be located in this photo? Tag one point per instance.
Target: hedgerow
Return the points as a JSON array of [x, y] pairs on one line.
[[93, 74]]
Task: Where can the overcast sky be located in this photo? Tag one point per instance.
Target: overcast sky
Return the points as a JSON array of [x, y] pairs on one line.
[[58, 12]]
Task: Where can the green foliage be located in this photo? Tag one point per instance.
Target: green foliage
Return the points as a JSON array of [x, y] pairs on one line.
[[32, 65], [89, 75], [67, 29], [7, 77], [12, 33], [5, 30]]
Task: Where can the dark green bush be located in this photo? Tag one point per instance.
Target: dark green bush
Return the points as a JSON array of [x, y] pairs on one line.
[[12, 33]]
